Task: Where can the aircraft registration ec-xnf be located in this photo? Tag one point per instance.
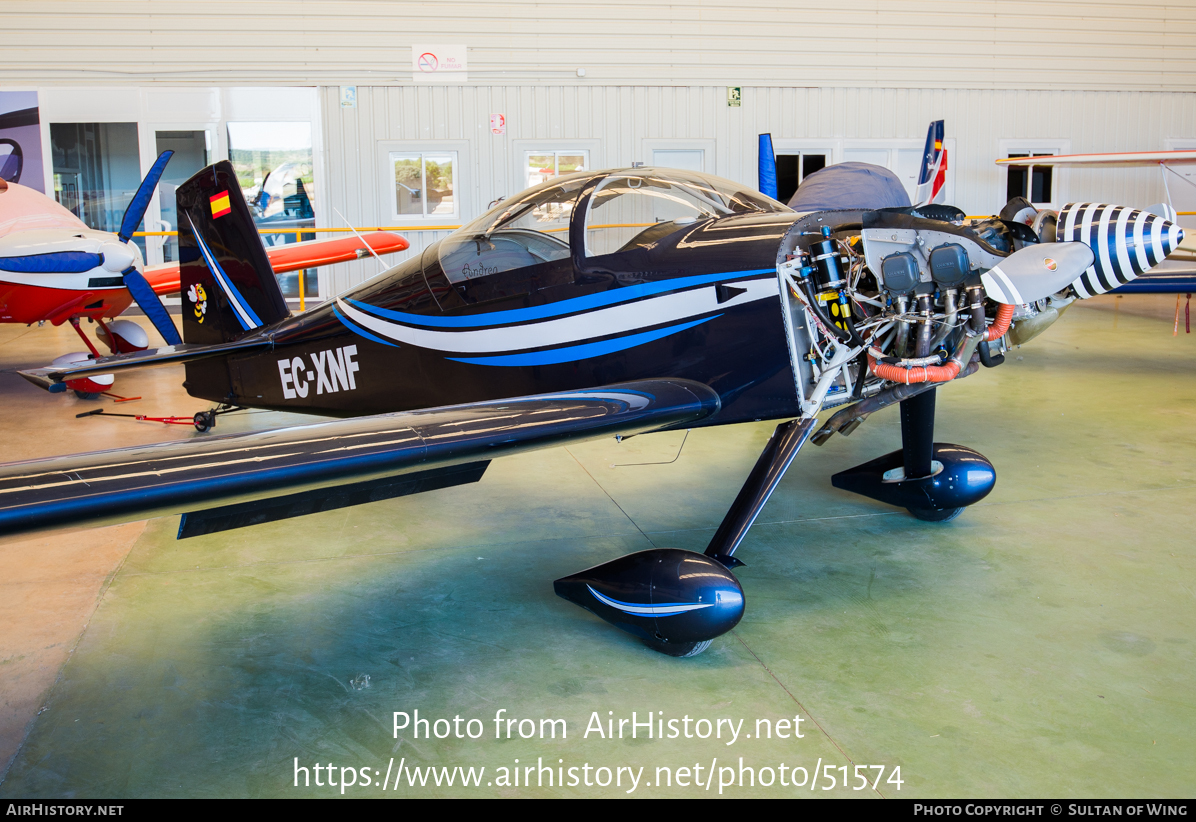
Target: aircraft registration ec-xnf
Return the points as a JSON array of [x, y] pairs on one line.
[[602, 303]]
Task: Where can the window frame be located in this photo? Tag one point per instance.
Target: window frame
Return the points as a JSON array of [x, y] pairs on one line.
[[461, 204], [709, 148], [1059, 174], [836, 149], [521, 148]]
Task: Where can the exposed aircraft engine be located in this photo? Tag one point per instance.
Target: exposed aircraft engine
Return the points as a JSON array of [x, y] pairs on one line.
[[887, 304]]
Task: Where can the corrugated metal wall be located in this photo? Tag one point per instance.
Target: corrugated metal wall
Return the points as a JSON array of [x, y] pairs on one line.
[[621, 117], [1061, 44]]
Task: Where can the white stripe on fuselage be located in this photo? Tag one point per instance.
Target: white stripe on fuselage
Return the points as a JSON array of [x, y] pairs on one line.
[[604, 322]]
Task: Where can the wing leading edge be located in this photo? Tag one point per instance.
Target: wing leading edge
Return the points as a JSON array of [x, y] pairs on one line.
[[198, 475]]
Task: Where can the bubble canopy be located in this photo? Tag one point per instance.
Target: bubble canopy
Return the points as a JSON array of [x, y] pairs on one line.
[[624, 209]]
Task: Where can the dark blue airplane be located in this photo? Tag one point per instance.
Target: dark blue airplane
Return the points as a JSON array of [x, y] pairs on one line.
[[607, 303]]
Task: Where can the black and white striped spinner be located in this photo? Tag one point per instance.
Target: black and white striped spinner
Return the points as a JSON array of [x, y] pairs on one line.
[[1125, 242]]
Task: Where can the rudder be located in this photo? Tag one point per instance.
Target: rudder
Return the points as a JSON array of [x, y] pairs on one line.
[[228, 285]]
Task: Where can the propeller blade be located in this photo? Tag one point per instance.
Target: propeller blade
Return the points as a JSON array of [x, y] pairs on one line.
[[149, 302], [54, 262], [1036, 272], [140, 202]]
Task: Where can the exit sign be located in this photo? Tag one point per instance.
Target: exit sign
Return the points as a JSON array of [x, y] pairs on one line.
[[734, 96]]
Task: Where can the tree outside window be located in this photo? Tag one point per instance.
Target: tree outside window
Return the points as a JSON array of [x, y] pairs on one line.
[[425, 184], [544, 165]]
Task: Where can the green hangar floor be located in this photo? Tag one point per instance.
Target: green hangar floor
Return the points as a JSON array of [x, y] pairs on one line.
[[1043, 644]]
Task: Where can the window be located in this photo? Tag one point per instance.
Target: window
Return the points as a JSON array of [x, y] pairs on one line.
[[273, 163], [540, 166], [97, 170], [1033, 182], [793, 168], [1041, 185], [528, 230], [192, 151], [689, 159], [629, 211], [425, 184]]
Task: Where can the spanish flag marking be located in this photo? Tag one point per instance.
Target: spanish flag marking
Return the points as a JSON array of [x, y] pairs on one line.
[[220, 204]]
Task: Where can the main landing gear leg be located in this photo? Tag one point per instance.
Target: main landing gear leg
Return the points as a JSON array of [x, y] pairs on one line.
[[678, 601], [786, 441], [75, 325], [935, 481]]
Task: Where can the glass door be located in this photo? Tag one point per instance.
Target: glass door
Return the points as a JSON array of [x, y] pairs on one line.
[[192, 151], [275, 167], [97, 170]]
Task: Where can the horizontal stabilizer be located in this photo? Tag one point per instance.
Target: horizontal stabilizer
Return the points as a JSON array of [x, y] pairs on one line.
[[46, 377], [227, 517]]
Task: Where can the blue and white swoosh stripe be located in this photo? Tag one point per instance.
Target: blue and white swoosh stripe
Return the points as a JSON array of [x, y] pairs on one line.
[[573, 337], [571, 306], [662, 610], [241, 308]]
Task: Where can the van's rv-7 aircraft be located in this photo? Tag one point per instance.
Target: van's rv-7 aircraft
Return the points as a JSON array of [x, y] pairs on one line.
[[602, 303]]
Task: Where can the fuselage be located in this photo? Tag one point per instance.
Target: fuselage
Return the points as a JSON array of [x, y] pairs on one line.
[[84, 279], [505, 311], [53, 267]]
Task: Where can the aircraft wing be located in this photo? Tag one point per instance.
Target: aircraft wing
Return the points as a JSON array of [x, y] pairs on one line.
[[1168, 277], [242, 479], [1121, 159], [164, 279]]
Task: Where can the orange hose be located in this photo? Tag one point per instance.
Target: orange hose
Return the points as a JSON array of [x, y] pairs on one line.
[[938, 373], [1001, 324], [920, 373]]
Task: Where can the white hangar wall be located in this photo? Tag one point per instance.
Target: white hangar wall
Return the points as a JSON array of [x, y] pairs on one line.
[[1063, 44], [623, 124]]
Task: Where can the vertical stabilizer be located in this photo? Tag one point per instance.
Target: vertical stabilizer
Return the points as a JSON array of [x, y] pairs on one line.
[[929, 179], [228, 285], [767, 167]]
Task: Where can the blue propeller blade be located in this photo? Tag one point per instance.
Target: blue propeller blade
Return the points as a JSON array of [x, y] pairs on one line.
[[140, 202], [140, 288], [55, 262]]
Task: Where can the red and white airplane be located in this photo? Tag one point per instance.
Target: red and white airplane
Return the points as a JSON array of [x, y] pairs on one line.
[[55, 269]]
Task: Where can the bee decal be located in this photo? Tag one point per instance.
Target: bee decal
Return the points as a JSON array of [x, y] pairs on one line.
[[199, 297]]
